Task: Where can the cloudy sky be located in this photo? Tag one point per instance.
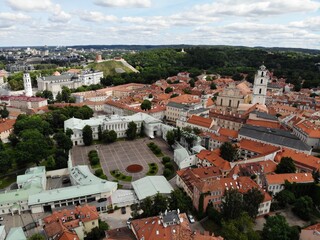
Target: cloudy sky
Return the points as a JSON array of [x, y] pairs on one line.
[[269, 23]]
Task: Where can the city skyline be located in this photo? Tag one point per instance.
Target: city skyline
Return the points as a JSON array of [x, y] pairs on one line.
[[268, 23]]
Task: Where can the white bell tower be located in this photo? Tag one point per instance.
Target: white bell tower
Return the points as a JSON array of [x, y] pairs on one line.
[[260, 86], [27, 84]]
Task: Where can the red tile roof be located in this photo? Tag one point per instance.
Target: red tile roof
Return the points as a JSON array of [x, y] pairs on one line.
[[312, 130], [152, 228], [257, 147], [290, 177], [7, 125], [300, 159], [200, 121], [263, 123]]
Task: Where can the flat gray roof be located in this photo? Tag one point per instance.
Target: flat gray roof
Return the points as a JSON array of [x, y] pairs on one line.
[[150, 186], [274, 136], [71, 192]]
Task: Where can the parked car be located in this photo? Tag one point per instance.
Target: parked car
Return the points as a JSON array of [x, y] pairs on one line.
[[65, 180], [123, 210], [191, 218]]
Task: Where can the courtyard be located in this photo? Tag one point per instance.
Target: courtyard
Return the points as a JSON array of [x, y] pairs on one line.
[[119, 155]]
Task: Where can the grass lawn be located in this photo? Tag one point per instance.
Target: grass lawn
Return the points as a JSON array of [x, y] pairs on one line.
[[120, 176], [108, 67], [153, 169], [6, 181]]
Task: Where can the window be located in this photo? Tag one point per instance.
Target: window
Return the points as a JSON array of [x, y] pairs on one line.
[[92, 223], [260, 90], [261, 81]]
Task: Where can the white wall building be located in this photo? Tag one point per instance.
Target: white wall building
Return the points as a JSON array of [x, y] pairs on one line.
[[260, 86], [151, 125], [69, 80], [27, 84], [183, 158]]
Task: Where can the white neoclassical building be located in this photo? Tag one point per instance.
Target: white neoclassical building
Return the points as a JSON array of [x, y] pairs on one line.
[[152, 126]]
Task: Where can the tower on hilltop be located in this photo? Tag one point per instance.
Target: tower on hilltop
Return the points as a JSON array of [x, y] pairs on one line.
[[260, 86], [27, 84]]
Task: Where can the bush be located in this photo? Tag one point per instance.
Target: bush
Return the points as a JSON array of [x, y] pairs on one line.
[[153, 164], [94, 160], [153, 168], [169, 165], [117, 175], [151, 144], [157, 151], [166, 159], [98, 172], [167, 172], [152, 172], [93, 153]]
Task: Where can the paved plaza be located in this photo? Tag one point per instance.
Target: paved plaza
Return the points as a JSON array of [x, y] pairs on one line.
[[121, 154]]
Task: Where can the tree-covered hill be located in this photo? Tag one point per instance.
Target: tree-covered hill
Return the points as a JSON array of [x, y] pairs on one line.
[[227, 61]]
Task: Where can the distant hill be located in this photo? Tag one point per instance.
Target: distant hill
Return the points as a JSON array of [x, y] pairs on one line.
[[147, 47], [110, 68]]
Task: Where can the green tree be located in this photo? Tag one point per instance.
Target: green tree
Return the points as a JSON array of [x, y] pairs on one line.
[[145, 105], [65, 94], [251, 201], [147, 207], [286, 165], [50, 163], [303, 207], [179, 200], [131, 132], [32, 148], [4, 112], [87, 135], [213, 86], [95, 234], [285, 197], [37, 236], [63, 141], [112, 136], [69, 132], [160, 203], [168, 90], [47, 94], [170, 138], [232, 205], [99, 133], [192, 83], [59, 97], [228, 151], [240, 228], [5, 161], [277, 228]]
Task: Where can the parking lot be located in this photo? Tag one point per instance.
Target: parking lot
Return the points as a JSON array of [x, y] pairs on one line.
[[24, 219], [121, 154]]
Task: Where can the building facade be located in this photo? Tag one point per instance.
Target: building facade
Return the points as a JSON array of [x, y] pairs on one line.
[[260, 86]]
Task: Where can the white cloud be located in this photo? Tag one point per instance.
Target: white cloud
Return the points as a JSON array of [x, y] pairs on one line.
[[29, 5], [257, 8], [309, 23], [7, 16], [58, 15], [124, 3], [92, 16], [133, 19]]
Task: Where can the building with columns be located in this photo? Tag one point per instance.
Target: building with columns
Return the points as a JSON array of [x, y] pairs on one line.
[[151, 125], [260, 86]]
